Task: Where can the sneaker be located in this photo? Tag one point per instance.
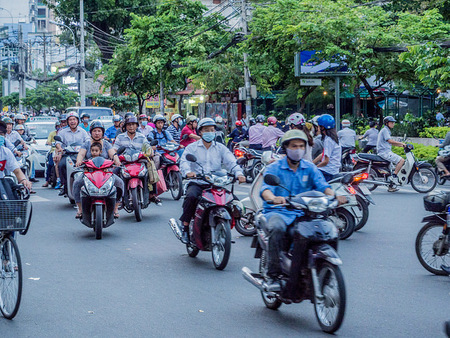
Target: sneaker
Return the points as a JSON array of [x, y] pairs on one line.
[[392, 189], [58, 185], [61, 193], [185, 237]]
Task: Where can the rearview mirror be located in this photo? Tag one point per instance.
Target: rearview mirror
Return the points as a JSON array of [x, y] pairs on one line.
[[121, 150], [191, 158], [272, 180], [58, 138], [154, 143]]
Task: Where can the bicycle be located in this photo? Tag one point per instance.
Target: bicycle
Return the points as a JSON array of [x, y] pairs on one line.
[[15, 216]]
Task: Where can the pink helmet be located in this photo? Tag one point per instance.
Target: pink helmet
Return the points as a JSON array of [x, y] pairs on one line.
[[296, 119], [271, 120]]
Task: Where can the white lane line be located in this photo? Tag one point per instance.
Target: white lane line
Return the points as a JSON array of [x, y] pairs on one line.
[[35, 199]]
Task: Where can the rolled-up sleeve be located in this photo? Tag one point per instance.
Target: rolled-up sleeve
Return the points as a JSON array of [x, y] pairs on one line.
[[272, 170]]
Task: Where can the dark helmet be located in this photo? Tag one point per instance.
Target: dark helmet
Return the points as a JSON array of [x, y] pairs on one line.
[[96, 124], [63, 117], [128, 114], [388, 119], [372, 124], [85, 115], [57, 123], [260, 118], [252, 121], [131, 119]]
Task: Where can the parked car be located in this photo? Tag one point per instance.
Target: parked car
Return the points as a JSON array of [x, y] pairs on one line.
[[94, 112]]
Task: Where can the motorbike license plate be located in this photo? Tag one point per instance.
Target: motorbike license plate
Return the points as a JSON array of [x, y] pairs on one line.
[[364, 189]]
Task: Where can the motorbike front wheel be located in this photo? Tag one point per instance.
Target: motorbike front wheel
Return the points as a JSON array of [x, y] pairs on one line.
[[345, 222], [364, 207], [221, 244], [134, 193], [10, 277], [432, 248], [98, 218], [424, 180], [175, 184], [257, 169], [331, 309]]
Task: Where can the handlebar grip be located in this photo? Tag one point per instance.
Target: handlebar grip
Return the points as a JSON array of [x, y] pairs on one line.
[[270, 202]]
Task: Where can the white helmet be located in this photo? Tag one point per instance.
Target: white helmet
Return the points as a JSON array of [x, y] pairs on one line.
[[219, 119], [207, 121], [296, 119], [159, 117], [175, 116], [74, 114], [346, 123]]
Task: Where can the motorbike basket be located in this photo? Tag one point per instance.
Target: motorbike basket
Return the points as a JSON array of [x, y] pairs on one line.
[[436, 202]]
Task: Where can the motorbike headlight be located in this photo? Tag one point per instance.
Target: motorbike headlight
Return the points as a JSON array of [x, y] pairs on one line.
[[316, 204], [106, 188], [143, 170], [125, 173], [90, 187]]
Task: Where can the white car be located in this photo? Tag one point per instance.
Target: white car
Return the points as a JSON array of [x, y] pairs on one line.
[[39, 150]]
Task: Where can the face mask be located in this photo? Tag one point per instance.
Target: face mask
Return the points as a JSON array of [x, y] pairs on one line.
[[143, 123], [208, 137], [295, 155], [2, 140]]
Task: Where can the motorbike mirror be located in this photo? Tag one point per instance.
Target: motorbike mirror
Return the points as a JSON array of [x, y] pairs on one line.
[[241, 161], [16, 143], [154, 143], [121, 150], [272, 180], [58, 138], [191, 158], [347, 179]]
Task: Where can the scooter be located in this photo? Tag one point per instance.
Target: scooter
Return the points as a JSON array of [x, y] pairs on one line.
[[250, 162], [170, 161], [445, 152], [135, 177], [210, 229], [420, 174], [347, 158], [98, 195], [320, 280]]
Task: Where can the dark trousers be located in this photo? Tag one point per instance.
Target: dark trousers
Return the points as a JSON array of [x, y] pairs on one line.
[[62, 170], [328, 177], [255, 146], [50, 166], [193, 193], [368, 148]]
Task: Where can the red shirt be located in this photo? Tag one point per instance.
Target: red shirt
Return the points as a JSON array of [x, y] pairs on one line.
[[187, 131]]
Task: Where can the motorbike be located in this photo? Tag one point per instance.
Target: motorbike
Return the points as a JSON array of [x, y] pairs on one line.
[[134, 174], [98, 195], [210, 229], [170, 161], [432, 242], [321, 280], [250, 162], [419, 174], [347, 158], [445, 152]]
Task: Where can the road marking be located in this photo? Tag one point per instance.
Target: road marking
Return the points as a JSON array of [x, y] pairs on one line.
[[35, 199]]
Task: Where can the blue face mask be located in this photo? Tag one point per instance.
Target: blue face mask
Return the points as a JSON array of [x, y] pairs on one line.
[[208, 137], [2, 140], [144, 123]]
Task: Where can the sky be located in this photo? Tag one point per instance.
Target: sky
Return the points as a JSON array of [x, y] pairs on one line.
[[18, 8]]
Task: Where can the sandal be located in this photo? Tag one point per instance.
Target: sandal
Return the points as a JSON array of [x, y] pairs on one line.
[[116, 215], [79, 215]]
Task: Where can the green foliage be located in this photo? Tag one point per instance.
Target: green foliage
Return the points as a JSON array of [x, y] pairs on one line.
[[412, 125], [51, 95], [421, 152], [359, 124], [118, 103], [434, 132], [11, 100]]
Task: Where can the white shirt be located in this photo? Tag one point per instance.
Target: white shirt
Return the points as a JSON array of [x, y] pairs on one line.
[[7, 161], [80, 136], [347, 137], [383, 146], [334, 153], [13, 136], [210, 159], [372, 136], [146, 130]]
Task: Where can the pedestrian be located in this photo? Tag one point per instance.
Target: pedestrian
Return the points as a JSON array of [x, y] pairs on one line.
[[440, 118]]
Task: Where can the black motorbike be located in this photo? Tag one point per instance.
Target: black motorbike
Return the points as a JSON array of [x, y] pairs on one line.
[[250, 162], [320, 280], [347, 158]]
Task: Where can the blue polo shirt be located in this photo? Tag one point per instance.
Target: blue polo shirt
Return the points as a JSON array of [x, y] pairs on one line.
[[306, 178]]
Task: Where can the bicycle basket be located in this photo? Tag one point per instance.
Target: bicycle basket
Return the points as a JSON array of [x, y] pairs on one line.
[[15, 215], [436, 201]]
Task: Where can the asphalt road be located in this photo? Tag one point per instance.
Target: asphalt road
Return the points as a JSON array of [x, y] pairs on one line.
[[139, 281]]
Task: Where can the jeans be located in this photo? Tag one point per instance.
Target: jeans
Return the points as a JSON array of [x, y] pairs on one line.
[[63, 170], [368, 148], [50, 166]]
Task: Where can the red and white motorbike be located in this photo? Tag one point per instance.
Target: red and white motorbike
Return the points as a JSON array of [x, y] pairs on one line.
[[170, 161]]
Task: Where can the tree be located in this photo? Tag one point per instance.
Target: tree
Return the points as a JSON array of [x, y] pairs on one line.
[[107, 19], [50, 95], [120, 103], [11, 100]]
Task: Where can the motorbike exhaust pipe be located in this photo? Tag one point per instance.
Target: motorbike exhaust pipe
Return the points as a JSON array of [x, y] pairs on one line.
[[248, 275], [175, 228], [375, 182]]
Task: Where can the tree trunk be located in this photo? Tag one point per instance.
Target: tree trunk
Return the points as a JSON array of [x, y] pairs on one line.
[[141, 101], [304, 97], [378, 110]]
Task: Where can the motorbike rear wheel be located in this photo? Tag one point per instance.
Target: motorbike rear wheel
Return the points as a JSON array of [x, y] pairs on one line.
[[98, 218], [428, 242], [134, 193], [175, 184], [424, 180], [221, 244], [270, 301], [245, 225], [364, 207], [330, 311], [345, 222], [257, 169]]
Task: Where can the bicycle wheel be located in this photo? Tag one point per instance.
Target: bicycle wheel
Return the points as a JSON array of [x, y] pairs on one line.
[[10, 277]]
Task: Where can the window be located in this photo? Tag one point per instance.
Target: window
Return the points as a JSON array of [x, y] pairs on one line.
[[41, 12], [41, 24]]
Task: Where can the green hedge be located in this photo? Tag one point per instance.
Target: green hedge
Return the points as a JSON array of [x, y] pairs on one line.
[[435, 132], [422, 153]]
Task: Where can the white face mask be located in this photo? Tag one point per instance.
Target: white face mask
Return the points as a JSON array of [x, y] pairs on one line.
[[295, 155]]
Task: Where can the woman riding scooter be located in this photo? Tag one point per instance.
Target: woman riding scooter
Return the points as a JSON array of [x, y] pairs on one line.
[[97, 131]]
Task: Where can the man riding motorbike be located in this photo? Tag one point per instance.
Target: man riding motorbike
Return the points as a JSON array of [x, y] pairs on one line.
[[20, 119], [175, 128], [97, 131], [347, 137], [112, 132], [211, 155], [237, 135], [271, 134], [63, 121], [50, 162], [73, 134], [131, 139], [441, 160], [384, 145], [255, 133], [297, 175], [144, 127], [13, 136]]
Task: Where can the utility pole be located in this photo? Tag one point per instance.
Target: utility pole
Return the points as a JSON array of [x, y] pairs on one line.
[[161, 93], [22, 92], [45, 55], [9, 70], [248, 95], [82, 73]]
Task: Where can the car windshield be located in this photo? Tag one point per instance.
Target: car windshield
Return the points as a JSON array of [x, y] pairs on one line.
[[41, 130], [95, 113]]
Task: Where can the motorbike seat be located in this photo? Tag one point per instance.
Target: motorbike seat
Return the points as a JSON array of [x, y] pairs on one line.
[[372, 157]]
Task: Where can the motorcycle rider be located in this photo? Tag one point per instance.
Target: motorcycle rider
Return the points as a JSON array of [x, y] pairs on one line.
[[347, 137], [211, 155], [384, 145], [237, 135], [175, 128], [20, 119], [297, 175], [144, 127], [441, 160], [85, 117], [329, 162], [13, 136], [107, 151], [220, 130], [372, 137], [317, 148], [160, 135], [112, 132], [188, 133], [63, 120], [255, 133], [73, 134], [297, 121], [271, 134], [131, 139]]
